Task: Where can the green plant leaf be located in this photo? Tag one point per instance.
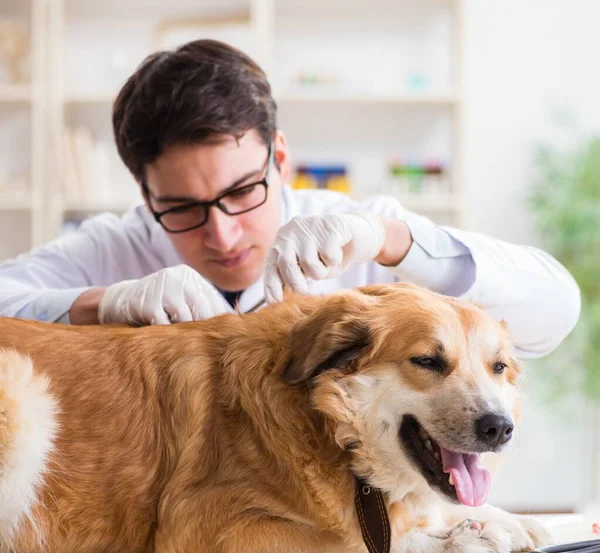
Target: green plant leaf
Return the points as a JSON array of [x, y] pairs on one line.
[[565, 203]]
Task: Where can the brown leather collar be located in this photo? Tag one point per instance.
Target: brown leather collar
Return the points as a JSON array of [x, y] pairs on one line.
[[373, 517]]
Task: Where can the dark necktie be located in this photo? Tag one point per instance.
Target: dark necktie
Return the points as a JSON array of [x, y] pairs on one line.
[[232, 297]]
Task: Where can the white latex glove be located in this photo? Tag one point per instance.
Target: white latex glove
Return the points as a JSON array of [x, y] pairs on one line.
[[320, 247], [172, 295]]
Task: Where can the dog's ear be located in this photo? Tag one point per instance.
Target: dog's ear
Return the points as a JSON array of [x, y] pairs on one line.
[[330, 338]]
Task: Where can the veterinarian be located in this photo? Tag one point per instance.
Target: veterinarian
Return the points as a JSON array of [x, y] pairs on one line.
[[197, 129]]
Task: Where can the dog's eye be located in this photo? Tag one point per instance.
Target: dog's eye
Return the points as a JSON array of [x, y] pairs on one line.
[[499, 368], [431, 363]]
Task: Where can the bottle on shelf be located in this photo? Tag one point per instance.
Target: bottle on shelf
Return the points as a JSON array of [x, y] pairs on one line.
[[324, 177], [418, 177]]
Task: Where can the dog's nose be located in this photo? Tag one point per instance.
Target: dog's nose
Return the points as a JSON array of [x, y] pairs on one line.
[[494, 430]]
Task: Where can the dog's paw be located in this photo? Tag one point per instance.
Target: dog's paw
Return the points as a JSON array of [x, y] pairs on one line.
[[523, 533], [472, 536], [539, 534], [504, 533]]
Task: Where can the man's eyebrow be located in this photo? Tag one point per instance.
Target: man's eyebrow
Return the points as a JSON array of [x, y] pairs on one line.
[[190, 199]]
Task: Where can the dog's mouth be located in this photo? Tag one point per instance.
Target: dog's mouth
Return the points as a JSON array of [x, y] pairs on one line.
[[459, 476]]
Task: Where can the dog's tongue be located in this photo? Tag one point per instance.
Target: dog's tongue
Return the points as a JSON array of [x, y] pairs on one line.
[[471, 480]]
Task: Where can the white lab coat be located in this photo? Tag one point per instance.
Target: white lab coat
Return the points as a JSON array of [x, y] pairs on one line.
[[524, 286]]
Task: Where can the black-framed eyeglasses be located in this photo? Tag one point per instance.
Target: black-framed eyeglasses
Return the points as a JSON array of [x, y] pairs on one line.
[[190, 216]]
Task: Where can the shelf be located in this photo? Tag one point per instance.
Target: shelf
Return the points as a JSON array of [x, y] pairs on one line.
[[154, 9], [15, 93], [294, 7], [98, 206], [343, 98], [305, 98], [429, 202], [423, 203], [92, 98], [15, 201]]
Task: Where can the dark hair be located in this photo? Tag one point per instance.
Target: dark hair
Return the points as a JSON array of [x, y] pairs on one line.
[[187, 96]]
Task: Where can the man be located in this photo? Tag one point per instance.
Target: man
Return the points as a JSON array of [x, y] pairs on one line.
[[197, 129]]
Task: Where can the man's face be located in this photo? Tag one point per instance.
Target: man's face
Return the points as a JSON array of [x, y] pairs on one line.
[[228, 250]]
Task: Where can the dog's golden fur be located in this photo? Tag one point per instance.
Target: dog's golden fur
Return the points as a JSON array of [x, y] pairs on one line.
[[234, 434]]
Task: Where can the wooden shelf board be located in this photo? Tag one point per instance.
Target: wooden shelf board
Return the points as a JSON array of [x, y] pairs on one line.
[[15, 201], [345, 98], [97, 206], [15, 93]]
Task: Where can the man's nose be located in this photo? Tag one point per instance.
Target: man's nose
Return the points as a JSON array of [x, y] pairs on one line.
[[222, 231], [494, 429]]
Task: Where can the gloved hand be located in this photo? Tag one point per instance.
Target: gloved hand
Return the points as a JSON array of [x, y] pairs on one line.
[[319, 247], [172, 295]]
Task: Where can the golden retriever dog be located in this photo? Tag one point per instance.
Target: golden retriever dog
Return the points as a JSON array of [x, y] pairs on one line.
[[346, 423]]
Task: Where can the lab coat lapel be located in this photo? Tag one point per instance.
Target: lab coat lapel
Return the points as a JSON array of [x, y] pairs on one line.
[[252, 296]]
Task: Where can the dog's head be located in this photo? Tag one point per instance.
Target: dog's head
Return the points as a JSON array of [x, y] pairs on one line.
[[416, 385]]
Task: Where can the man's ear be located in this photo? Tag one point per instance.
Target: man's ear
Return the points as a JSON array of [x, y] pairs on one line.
[[330, 338]]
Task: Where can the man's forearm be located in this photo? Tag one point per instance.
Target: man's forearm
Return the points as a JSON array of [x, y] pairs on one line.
[[398, 241], [84, 310], [26, 300], [407, 259]]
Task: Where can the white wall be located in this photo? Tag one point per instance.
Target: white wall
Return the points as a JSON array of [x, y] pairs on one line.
[[525, 60]]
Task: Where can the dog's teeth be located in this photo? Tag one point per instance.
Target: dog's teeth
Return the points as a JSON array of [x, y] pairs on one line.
[[436, 455], [428, 445], [422, 434], [451, 480]]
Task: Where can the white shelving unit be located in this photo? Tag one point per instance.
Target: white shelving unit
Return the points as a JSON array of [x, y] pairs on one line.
[[373, 115], [22, 140]]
